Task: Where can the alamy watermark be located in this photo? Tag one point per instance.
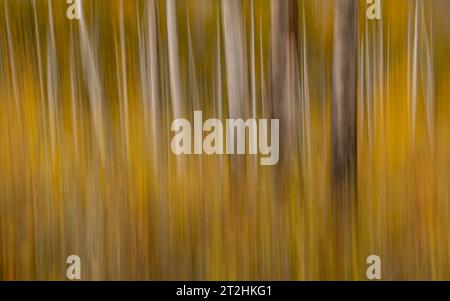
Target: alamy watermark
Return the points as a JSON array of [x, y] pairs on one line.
[[235, 133], [374, 269], [73, 271]]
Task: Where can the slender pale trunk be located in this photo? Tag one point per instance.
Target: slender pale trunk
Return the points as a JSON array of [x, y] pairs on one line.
[[219, 71], [52, 81], [154, 73], [174, 60], [124, 95], [194, 91], [253, 72], [94, 85], [427, 65], [252, 58], [414, 70], [235, 57], [12, 60]]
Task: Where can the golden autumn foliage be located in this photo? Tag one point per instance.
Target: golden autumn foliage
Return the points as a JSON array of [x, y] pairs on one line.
[[86, 167]]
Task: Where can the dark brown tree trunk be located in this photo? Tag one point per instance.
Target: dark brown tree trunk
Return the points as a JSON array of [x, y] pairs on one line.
[[343, 126], [283, 47], [344, 94]]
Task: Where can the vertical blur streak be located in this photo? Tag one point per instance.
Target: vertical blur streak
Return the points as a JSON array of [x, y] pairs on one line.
[[12, 61], [235, 57], [92, 77], [124, 94], [86, 167], [414, 68], [174, 68]]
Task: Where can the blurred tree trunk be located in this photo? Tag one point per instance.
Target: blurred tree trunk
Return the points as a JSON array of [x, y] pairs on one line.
[[343, 127], [284, 29], [235, 57], [344, 94], [236, 77], [174, 60]]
